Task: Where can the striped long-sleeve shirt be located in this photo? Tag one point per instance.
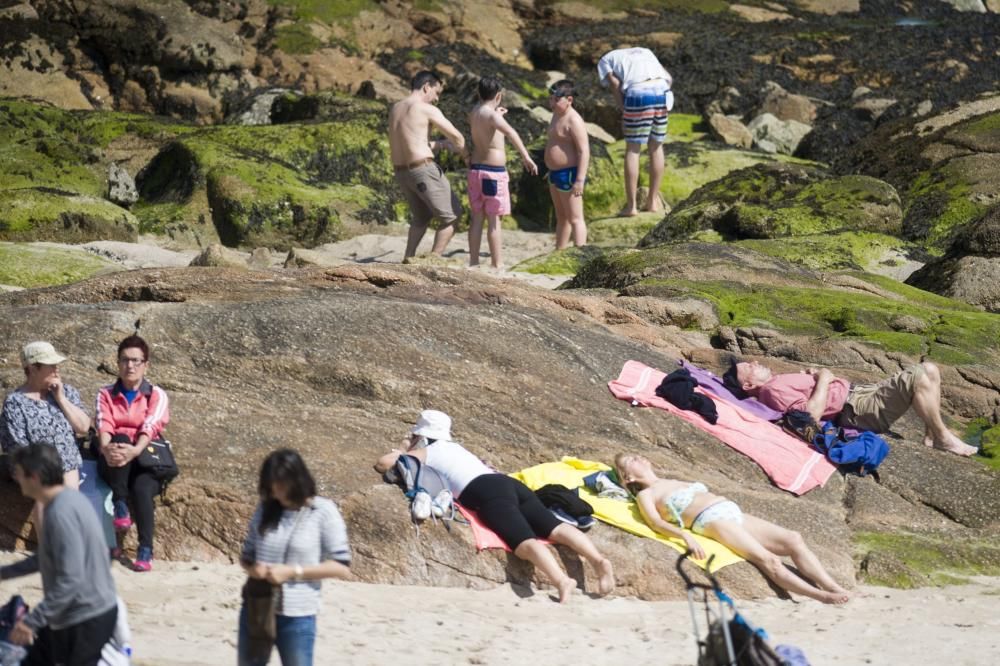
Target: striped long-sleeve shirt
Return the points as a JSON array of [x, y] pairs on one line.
[[148, 413], [320, 535]]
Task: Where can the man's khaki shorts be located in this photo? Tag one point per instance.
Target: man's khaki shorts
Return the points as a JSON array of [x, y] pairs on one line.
[[876, 407], [429, 194]]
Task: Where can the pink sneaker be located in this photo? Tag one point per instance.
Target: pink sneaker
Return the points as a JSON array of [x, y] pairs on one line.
[[143, 559], [122, 520]]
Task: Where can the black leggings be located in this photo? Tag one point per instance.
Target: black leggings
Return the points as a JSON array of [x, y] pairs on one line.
[[135, 482], [509, 508]]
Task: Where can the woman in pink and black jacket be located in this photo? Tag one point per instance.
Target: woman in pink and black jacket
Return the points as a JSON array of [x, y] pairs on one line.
[[131, 413]]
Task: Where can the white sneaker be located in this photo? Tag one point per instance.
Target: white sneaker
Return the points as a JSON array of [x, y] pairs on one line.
[[420, 508], [442, 503]]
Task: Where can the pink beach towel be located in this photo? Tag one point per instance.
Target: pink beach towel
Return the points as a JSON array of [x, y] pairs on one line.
[[789, 462], [484, 536]]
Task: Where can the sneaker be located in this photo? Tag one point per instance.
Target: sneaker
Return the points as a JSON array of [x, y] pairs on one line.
[[585, 522], [420, 508], [122, 521], [441, 504], [563, 516], [143, 559]]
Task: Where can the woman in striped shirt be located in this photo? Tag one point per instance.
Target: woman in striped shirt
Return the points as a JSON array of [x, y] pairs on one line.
[[295, 540]]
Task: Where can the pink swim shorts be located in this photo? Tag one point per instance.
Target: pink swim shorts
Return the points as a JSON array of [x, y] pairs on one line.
[[489, 189]]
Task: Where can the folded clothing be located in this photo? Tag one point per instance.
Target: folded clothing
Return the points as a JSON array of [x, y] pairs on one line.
[[677, 388], [555, 495]]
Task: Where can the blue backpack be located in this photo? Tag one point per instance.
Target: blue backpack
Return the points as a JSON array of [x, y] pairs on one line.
[[860, 455]]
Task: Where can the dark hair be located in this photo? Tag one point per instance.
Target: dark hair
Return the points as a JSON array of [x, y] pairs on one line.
[[134, 342], [422, 78], [563, 88], [39, 460], [489, 86], [284, 466], [732, 381]]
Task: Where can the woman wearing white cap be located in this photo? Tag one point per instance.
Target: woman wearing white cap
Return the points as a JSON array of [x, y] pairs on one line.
[[502, 503], [44, 410]]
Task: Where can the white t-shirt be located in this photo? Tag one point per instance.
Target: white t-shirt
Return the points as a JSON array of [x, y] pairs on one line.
[[455, 464], [633, 67]]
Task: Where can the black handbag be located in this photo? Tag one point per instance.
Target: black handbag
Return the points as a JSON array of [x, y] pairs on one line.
[[158, 458], [262, 601]]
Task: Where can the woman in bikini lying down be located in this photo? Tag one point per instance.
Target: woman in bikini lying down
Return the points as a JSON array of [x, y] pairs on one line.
[[667, 505]]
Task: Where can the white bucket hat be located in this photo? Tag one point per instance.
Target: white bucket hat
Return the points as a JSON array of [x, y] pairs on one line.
[[433, 424], [40, 352]]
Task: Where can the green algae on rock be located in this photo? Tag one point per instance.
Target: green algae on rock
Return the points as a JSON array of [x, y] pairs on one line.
[[41, 265], [908, 560], [751, 289], [559, 262], [774, 200], [44, 214]]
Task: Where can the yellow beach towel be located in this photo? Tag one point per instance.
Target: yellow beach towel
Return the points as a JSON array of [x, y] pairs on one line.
[[570, 472]]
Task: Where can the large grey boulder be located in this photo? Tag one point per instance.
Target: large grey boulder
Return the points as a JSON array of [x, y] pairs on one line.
[[121, 186], [773, 135], [787, 106]]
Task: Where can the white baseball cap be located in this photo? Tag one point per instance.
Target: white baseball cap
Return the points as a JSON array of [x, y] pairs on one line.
[[433, 424], [40, 352]]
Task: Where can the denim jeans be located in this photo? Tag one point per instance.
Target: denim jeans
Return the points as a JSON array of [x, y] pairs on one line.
[[295, 640]]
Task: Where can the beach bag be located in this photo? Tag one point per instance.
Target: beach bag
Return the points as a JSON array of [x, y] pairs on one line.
[[860, 455], [262, 601], [424, 487], [750, 646], [158, 458]]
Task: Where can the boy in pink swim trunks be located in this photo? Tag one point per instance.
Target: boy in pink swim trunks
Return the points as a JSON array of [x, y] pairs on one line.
[[489, 183]]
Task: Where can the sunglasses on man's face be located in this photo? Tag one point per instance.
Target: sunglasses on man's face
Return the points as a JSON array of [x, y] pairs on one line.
[[559, 93]]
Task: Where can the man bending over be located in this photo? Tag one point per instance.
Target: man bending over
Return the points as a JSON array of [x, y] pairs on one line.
[[873, 407]]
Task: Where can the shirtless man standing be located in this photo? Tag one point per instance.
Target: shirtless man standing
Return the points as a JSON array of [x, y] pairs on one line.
[[489, 183], [419, 177], [567, 155]]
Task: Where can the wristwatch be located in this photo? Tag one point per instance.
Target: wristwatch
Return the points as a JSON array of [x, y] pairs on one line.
[[298, 572]]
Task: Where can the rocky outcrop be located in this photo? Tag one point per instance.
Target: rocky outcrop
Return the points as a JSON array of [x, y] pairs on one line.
[[776, 200], [970, 270], [773, 135], [352, 353]]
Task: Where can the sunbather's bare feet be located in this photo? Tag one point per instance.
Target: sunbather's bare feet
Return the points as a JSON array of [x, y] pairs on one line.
[[952, 444], [566, 587], [606, 580], [836, 598], [627, 211]]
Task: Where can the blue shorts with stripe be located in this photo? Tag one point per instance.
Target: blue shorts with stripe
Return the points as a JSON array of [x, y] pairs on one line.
[[645, 116]]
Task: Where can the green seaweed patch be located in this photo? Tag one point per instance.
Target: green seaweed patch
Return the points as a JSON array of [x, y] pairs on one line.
[[939, 202], [37, 265], [33, 214], [700, 6], [341, 11], [852, 250], [532, 91], [625, 231], [926, 558], [954, 335], [559, 262], [685, 127], [297, 38]]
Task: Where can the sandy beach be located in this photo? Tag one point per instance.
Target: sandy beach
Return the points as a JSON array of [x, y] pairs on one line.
[[185, 613]]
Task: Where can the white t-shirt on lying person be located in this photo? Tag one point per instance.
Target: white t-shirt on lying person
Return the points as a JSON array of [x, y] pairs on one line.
[[456, 465], [633, 67]]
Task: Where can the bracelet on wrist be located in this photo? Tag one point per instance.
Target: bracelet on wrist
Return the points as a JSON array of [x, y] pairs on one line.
[[299, 572]]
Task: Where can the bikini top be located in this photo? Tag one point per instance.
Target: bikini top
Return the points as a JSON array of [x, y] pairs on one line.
[[681, 499]]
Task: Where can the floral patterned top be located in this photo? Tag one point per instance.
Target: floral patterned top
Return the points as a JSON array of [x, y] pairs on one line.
[[26, 421]]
